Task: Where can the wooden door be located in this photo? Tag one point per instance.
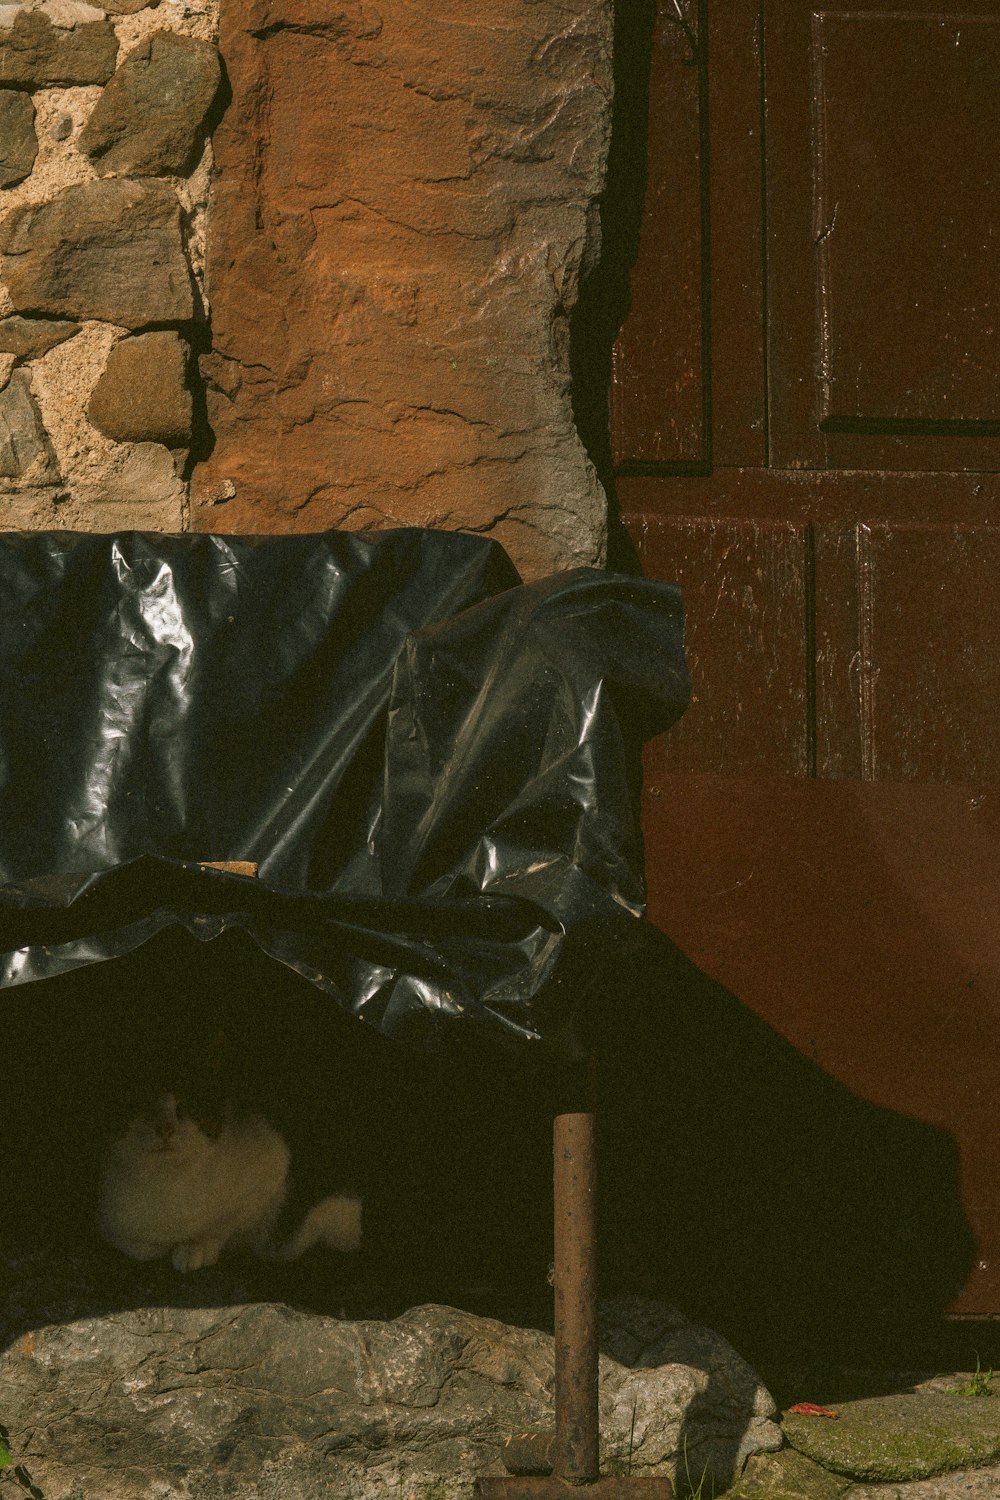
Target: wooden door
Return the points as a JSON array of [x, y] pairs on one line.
[[805, 414]]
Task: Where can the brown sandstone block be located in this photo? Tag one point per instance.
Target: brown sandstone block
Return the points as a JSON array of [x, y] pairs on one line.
[[18, 141], [143, 394], [391, 270], [36, 54]]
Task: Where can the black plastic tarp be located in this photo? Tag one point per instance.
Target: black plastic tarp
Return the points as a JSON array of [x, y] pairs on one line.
[[430, 762]]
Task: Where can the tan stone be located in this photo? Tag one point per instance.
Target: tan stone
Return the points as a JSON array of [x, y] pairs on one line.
[[28, 337], [140, 491], [391, 269], [143, 394], [143, 482], [25, 450]]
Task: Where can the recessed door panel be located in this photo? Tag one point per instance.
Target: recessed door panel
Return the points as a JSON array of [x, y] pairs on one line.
[[882, 220], [907, 224], [745, 587]]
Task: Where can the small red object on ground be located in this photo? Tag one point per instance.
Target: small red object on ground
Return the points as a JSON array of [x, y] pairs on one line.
[[809, 1409]]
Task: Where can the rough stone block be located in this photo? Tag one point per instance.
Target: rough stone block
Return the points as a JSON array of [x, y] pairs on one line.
[[34, 53], [143, 395], [30, 337], [25, 450], [145, 480], [111, 250], [391, 270], [18, 141], [262, 1400], [150, 119]]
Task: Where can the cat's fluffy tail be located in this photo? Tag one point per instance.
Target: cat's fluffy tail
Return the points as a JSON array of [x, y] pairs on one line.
[[334, 1222]]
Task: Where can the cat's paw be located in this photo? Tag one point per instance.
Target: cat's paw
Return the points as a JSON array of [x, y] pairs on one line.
[[195, 1255]]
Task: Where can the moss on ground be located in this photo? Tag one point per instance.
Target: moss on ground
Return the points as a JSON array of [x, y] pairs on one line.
[[787, 1475], [899, 1437]]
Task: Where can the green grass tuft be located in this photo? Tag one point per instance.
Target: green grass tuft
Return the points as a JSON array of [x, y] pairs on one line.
[[979, 1385]]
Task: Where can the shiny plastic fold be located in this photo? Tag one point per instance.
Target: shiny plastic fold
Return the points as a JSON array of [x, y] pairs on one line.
[[431, 763]]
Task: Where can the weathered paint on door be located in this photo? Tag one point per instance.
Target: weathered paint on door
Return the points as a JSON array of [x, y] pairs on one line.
[[806, 430]]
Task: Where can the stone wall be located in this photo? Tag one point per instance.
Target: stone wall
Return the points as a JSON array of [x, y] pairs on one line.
[[385, 237], [105, 165]]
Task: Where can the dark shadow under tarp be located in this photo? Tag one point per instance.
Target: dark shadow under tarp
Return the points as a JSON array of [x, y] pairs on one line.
[[429, 762], [433, 767]]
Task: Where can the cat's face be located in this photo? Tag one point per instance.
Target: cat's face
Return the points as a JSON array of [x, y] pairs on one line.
[[168, 1126]]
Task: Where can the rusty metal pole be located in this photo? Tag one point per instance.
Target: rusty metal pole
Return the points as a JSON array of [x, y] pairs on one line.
[[542, 1468], [575, 1453]]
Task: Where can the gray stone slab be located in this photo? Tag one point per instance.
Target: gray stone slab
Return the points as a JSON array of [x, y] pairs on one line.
[[900, 1437], [787, 1475], [969, 1484]]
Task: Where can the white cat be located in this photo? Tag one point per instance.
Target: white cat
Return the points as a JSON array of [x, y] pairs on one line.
[[174, 1185]]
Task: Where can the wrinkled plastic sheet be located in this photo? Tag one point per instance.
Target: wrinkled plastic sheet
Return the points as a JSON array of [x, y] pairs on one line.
[[430, 763]]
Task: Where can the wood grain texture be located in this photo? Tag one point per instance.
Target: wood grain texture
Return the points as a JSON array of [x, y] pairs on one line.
[[744, 585], [881, 205], [929, 609], [841, 497], [658, 391], [907, 205]]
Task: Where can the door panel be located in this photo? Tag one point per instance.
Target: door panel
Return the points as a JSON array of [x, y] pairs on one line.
[[687, 387], [850, 917], [925, 670], [664, 421], [882, 207], [906, 120], [745, 589]]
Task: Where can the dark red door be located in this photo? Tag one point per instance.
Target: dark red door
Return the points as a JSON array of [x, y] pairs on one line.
[[806, 431]]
